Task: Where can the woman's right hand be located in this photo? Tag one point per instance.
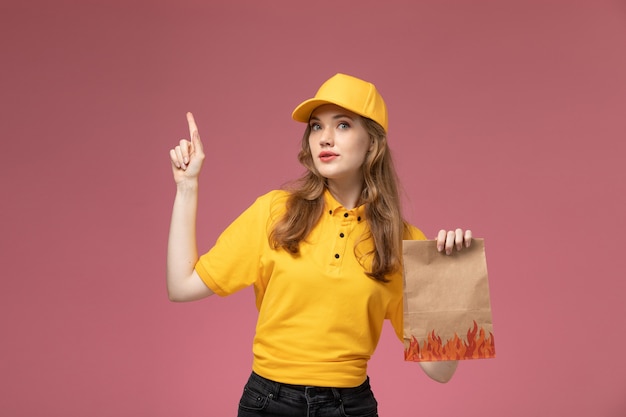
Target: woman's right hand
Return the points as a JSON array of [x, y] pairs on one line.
[[183, 282], [188, 156]]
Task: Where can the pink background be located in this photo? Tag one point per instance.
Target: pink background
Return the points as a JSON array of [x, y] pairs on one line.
[[507, 117]]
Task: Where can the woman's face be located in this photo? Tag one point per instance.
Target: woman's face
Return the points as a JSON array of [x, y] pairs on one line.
[[338, 143]]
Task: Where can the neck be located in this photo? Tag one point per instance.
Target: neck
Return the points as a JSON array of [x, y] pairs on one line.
[[347, 195]]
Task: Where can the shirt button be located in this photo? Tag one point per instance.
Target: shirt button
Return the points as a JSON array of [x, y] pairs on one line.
[[341, 235], [336, 256], [345, 214]]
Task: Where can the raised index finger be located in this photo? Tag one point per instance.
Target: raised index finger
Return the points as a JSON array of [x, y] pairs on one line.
[[193, 132], [192, 125]]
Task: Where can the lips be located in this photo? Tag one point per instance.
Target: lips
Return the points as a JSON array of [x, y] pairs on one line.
[[327, 156]]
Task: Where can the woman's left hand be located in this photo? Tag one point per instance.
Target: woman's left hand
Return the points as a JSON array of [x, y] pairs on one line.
[[450, 239]]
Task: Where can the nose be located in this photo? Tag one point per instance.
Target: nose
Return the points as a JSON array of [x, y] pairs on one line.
[[327, 138]]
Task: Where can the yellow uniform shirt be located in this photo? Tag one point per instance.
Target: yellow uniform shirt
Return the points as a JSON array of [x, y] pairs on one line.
[[320, 316]]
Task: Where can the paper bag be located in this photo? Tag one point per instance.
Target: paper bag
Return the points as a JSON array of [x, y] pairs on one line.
[[447, 310]]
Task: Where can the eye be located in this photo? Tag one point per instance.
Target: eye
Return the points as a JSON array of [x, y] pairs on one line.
[[315, 126], [343, 125]]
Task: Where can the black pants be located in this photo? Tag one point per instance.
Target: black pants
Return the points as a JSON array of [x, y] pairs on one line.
[[265, 398]]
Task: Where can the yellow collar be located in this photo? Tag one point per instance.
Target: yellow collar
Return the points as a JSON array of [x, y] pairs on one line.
[[333, 207]]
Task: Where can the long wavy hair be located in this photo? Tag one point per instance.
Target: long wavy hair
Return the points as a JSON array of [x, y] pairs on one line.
[[380, 195]]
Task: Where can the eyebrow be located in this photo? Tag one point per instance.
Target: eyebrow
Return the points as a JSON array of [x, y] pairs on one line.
[[339, 116]]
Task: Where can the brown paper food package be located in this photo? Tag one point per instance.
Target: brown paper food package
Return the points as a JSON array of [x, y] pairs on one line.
[[447, 309]]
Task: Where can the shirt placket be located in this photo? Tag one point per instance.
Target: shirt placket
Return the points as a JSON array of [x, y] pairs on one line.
[[345, 221]]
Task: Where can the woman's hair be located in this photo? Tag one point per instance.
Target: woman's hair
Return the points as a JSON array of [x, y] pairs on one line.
[[305, 205]]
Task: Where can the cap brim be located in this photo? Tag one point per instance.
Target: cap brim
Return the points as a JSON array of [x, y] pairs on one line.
[[302, 113]]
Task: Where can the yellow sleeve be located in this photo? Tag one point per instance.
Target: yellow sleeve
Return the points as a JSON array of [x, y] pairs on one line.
[[413, 233], [236, 259]]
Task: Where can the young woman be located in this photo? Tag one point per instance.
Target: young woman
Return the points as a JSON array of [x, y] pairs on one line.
[[324, 257]]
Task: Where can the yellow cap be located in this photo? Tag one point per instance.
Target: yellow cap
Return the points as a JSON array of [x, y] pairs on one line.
[[351, 93]]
